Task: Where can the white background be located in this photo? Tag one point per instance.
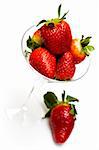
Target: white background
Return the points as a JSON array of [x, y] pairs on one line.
[[16, 78]]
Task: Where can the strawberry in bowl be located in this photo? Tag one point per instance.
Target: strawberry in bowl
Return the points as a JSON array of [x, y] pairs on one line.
[[65, 67], [56, 34], [43, 61], [80, 49]]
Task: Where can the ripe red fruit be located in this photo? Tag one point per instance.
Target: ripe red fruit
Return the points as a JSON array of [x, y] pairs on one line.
[[80, 49], [61, 122], [65, 67], [62, 116], [56, 34], [43, 62], [57, 39]]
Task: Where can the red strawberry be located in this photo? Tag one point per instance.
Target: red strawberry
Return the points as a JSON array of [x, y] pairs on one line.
[[80, 49], [56, 34], [65, 67], [43, 62], [62, 116]]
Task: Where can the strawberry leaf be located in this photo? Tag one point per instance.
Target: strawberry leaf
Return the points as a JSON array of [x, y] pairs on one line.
[[90, 48], [73, 110], [47, 115], [35, 45], [59, 10], [64, 16], [71, 99], [82, 37], [87, 49], [42, 21], [85, 42], [50, 100], [29, 43]]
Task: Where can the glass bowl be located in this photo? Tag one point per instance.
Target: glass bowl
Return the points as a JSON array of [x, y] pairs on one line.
[[81, 69]]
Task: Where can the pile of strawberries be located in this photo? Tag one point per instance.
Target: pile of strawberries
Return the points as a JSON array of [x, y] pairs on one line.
[[54, 52]]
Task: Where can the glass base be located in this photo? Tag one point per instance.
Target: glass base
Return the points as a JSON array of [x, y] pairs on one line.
[[34, 109]]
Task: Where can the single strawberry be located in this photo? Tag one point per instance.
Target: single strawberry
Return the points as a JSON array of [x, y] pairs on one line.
[[56, 34], [62, 116], [80, 49], [35, 41], [65, 67], [44, 62]]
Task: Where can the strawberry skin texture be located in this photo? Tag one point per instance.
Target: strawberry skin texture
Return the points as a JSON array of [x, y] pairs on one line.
[[65, 67], [61, 123], [57, 39], [76, 51], [43, 62]]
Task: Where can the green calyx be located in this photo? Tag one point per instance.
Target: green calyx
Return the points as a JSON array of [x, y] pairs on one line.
[[86, 48], [53, 22], [51, 101], [32, 44]]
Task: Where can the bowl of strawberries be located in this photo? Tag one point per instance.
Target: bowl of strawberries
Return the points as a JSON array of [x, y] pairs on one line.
[[52, 53]]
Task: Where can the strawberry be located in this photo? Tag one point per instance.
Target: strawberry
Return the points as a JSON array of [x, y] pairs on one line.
[[35, 41], [43, 62], [37, 37], [65, 67], [80, 49], [56, 34], [62, 116]]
